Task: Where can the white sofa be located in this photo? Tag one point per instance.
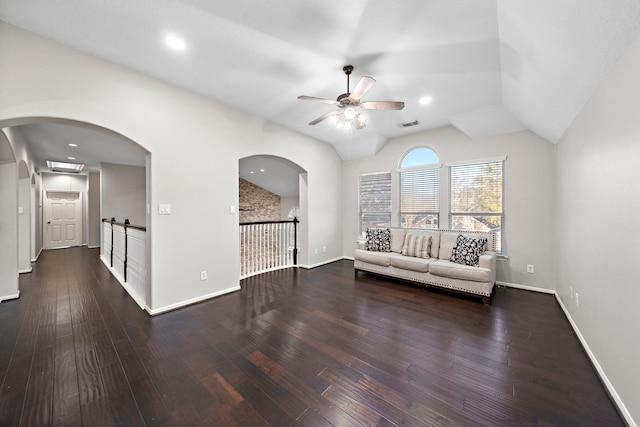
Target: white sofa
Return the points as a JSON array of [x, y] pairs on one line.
[[436, 268]]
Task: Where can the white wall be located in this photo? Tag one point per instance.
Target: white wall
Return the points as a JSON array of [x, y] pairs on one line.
[[528, 197], [286, 203], [94, 219], [598, 227], [24, 218], [195, 146], [123, 193], [8, 229]]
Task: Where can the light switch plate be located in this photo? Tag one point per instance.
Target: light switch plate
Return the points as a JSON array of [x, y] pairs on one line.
[[232, 209], [164, 209]]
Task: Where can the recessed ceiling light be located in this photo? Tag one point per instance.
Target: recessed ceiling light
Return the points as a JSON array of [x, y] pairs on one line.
[[73, 145], [251, 172], [175, 42], [261, 170], [64, 167], [425, 100], [71, 158]]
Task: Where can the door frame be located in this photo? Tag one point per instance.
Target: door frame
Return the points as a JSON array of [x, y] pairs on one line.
[[45, 213]]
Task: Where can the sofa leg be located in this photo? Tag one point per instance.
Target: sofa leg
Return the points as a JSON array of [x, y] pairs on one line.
[[486, 300], [355, 272]]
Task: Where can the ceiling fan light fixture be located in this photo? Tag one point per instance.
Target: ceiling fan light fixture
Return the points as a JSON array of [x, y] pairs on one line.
[[349, 113]]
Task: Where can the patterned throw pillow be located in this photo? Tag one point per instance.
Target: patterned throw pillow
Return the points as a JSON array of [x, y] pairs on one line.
[[416, 246], [379, 239], [467, 250]]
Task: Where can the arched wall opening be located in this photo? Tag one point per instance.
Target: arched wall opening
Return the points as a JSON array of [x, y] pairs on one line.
[[29, 189], [285, 179]]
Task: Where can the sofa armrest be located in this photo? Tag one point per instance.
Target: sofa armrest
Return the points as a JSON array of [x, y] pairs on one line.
[[362, 244], [487, 260]]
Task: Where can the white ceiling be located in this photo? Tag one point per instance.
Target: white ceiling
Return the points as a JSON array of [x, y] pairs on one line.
[[491, 66]]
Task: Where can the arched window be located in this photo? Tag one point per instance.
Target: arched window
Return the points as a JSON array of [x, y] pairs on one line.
[[419, 156], [420, 189]]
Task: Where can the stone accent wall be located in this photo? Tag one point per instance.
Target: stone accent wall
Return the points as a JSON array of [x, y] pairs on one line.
[[257, 204]]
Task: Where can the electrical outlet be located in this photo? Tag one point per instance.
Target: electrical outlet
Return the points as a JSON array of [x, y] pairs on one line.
[[529, 268], [324, 249], [203, 275], [571, 291], [577, 300], [316, 251]]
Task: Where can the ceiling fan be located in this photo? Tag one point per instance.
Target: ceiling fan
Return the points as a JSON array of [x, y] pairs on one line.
[[348, 114]]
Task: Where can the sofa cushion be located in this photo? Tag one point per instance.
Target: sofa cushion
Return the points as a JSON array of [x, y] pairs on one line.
[[411, 263], [459, 271], [416, 246], [447, 243], [377, 258], [379, 239], [397, 239], [467, 250]]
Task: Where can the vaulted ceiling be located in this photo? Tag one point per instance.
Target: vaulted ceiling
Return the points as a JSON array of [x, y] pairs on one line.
[[489, 66]]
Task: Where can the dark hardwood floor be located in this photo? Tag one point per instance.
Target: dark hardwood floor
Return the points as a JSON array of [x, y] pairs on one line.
[[295, 347]]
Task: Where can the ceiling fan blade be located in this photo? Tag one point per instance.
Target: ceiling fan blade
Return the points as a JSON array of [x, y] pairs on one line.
[[361, 88], [382, 105], [323, 117], [323, 100]]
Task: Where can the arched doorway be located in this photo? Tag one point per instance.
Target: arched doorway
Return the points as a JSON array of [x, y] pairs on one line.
[[36, 140], [272, 192]]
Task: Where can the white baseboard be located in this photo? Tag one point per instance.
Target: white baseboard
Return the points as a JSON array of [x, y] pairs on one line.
[[27, 270], [93, 247], [603, 377], [320, 264], [37, 256], [525, 287], [8, 297], [191, 301]]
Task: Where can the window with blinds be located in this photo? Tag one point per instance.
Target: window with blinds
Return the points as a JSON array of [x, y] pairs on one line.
[[420, 197], [476, 197], [374, 200]]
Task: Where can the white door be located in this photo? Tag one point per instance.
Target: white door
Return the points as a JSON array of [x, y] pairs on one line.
[[62, 219]]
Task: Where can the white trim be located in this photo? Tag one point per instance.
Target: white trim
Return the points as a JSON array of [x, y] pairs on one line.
[[420, 167], [592, 358], [93, 247], [373, 173], [137, 298], [603, 377], [526, 288], [8, 297], [37, 256], [474, 161], [27, 270], [191, 301], [320, 264]]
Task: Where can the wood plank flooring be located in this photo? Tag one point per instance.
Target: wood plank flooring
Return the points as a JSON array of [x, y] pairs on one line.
[[295, 347]]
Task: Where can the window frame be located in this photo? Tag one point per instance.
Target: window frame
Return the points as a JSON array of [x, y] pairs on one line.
[[500, 235], [382, 213], [435, 200]]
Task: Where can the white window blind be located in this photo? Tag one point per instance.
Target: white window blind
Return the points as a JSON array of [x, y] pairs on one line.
[[374, 200], [477, 198], [420, 197]]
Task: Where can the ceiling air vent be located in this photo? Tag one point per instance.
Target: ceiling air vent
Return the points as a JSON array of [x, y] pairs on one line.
[[409, 124]]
